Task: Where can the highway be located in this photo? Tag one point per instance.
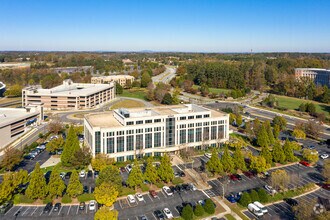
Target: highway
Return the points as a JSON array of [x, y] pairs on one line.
[[166, 76]]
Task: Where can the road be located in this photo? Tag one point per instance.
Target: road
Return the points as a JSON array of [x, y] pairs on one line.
[[166, 76]]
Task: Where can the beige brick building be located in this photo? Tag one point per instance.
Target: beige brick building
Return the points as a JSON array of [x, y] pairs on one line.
[[120, 79]]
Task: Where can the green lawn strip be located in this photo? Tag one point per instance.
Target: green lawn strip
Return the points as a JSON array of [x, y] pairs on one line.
[[135, 93], [236, 208], [229, 217], [215, 90]]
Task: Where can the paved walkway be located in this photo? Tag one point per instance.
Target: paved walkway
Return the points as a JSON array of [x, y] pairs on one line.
[[52, 161]]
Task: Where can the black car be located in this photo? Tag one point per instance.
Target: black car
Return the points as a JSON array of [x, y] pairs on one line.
[[57, 207], [67, 175], [179, 188], [238, 176], [89, 174], [179, 208], [48, 207], [82, 206], [182, 174], [92, 189], [159, 215], [185, 186], [28, 157], [86, 189], [291, 202], [96, 174], [173, 189]]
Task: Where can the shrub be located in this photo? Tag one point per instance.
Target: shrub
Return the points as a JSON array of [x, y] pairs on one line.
[[245, 199], [177, 180], [86, 197], [209, 206], [199, 210], [144, 188], [263, 196], [187, 213], [159, 184], [126, 191], [19, 198], [254, 196], [66, 199], [47, 200]]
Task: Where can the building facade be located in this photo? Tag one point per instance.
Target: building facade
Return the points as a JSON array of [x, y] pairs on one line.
[[127, 134], [319, 76], [69, 95], [2, 89], [122, 80]]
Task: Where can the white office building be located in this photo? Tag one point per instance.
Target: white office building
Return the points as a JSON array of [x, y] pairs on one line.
[[125, 134]]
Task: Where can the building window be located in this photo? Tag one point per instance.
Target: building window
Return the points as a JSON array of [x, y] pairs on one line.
[[213, 122], [148, 130], [213, 132], [157, 120], [148, 140], [190, 135], [191, 125], [198, 134], [220, 131], [199, 124], [182, 136], [183, 118], [157, 154], [130, 132], [97, 142], [191, 117], [130, 157], [130, 123], [110, 134], [170, 131], [139, 141], [139, 122], [206, 133], [157, 128], [139, 131], [120, 133], [148, 154], [157, 139], [206, 123], [199, 116], [206, 116], [120, 144], [148, 121], [120, 159], [110, 145], [130, 143]]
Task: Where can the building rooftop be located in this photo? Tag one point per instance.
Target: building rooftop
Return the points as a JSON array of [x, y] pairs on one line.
[[114, 77], [315, 69], [9, 115]]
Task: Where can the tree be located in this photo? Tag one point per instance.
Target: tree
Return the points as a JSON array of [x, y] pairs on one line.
[[326, 170], [245, 199], [82, 158], [119, 89], [104, 213], [310, 108], [199, 210], [145, 79], [304, 210], [277, 131], [187, 213], [258, 163], [226, 161], [11, 158], [256, 126], [280, 121], [175, 96], [311, 156], [214, 165], [14, 91], [265, 153], [209, 206], [262, 137], [278, 153], [167, 100], [55, 145], [263, 195], [101, 161], [37, 188], [55, 125], [151, 93], [150, 173], [238, 160], [280, 179], [135, 177], [270, 134], [11, 183], [302, 107], [106, 194], [298, 133], [239, 120], [288, 151], [254, 196], [110, 175], [165, 170], [75, 187], [232, 118], [313, 128], [204, 89], [71, 146], [56, 185]]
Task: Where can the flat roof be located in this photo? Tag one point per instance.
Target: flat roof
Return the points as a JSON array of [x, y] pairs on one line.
[[10, 115], [315, 69]]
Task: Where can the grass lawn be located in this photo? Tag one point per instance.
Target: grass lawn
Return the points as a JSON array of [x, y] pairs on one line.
[[293, 104], [214, 90], [138, 93], [127, 104], [229, 217]]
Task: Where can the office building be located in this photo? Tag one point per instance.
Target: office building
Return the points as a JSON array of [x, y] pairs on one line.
[[122, 80], [69, 95], [319, 76], [125, 134], [2, 89]]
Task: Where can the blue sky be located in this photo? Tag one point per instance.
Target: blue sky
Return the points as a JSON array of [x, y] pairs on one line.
[[171, 25]]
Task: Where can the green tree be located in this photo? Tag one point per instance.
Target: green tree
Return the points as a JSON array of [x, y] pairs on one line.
[[310, 108], [326, 170], [254, 196], [280, 121], [55, 145], [258, 163], [75, 187], [101, 161], [37, 188], [11, 183], [14, 91], [262, 137], [226, 161], [56, 185], [280, 179], [232, 118], [119, 89], [165, 170], [302, 107], [187, 213], [150, 174], [239, 120], [11, 158], [298, 133], [199, 210], [106, 194], [145, 79], [104, 213], [278, 153], [238, 160], [245, 199], [110, 175], [288, 151], [204, 89], [167, 99], [209, 206], [277, 131], [82, 158], [135, 177], [71, 146], [270, 134], [310, 155], [265, 153], [214, 165], [263, 195]]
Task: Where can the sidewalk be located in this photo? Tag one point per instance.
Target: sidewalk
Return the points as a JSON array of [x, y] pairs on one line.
[[52, 161]]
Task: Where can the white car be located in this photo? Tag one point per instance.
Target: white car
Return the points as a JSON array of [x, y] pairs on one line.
[[192, 187], [208, 155], [324, 156], [270, 189], [139, 197], [128, 168], [82, 174], [167, 190], [92, 205], [168, 214], [131, 199], [62, 175]]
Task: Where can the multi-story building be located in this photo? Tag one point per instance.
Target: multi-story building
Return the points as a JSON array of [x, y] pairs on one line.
[[69, 95], [122, 80], [127, 134], [2, 89], [319, 76], [14, 121]]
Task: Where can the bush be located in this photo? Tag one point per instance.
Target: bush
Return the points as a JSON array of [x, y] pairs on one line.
[[19, 198], [86, 197], [209, 206], [144, 188], [254, 196], [177, 180], [263, 196], [187, 212], [245, 199], [159, 184], [199, 210], [126, 191], [47, 200], [66, 199]]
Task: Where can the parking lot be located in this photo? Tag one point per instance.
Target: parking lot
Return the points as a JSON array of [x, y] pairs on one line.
[[149, 205], [283, 210], [36, 212]]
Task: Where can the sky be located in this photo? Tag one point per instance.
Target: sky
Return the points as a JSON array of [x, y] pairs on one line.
[[166, 25]]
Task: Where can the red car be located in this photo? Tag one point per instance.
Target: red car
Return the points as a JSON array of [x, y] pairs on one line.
[[326, 186], [248, 174], [305, 163], [233, 177], [153, 193]]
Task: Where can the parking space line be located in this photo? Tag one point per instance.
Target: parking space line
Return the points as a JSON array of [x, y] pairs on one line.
[[77, 210], [281, 204], [69, 210], [153, 215], [18, 210], [51, 210], [10, 209], [34, 211], [26, 210], [164, 194], [150, 198], [60, 210], [86, 208]]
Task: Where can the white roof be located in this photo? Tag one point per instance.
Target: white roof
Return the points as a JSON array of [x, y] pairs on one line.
[[11, 115]]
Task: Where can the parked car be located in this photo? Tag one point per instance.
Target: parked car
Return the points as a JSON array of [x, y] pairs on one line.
[[96, 173], [131, 199], [270, 189], [62, 175], [159, 215], [122, 169], [311, 147], [128, 168], [291, 202], [57, 207], [82, 173], [168, 213], [261, 207], [233, 177], [153, 193], [173, 189], [255, 210], [143, 217], [305, 163], [167, 190], [86, 189], [239, 177], [90, 174], [92, 205], [192, 187], [68, 175], [5, 207], [324, 156], [208, 155], [48, 207], [248, 174], [29, 157], [139, 197], [82, 206], [326, 186]]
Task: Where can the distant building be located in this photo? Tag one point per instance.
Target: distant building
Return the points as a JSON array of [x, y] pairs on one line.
[[126, 134], [74, 69], [319, 76], [14, 65], [14, 121], [120, 79], [2, 89], [69, 95]]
